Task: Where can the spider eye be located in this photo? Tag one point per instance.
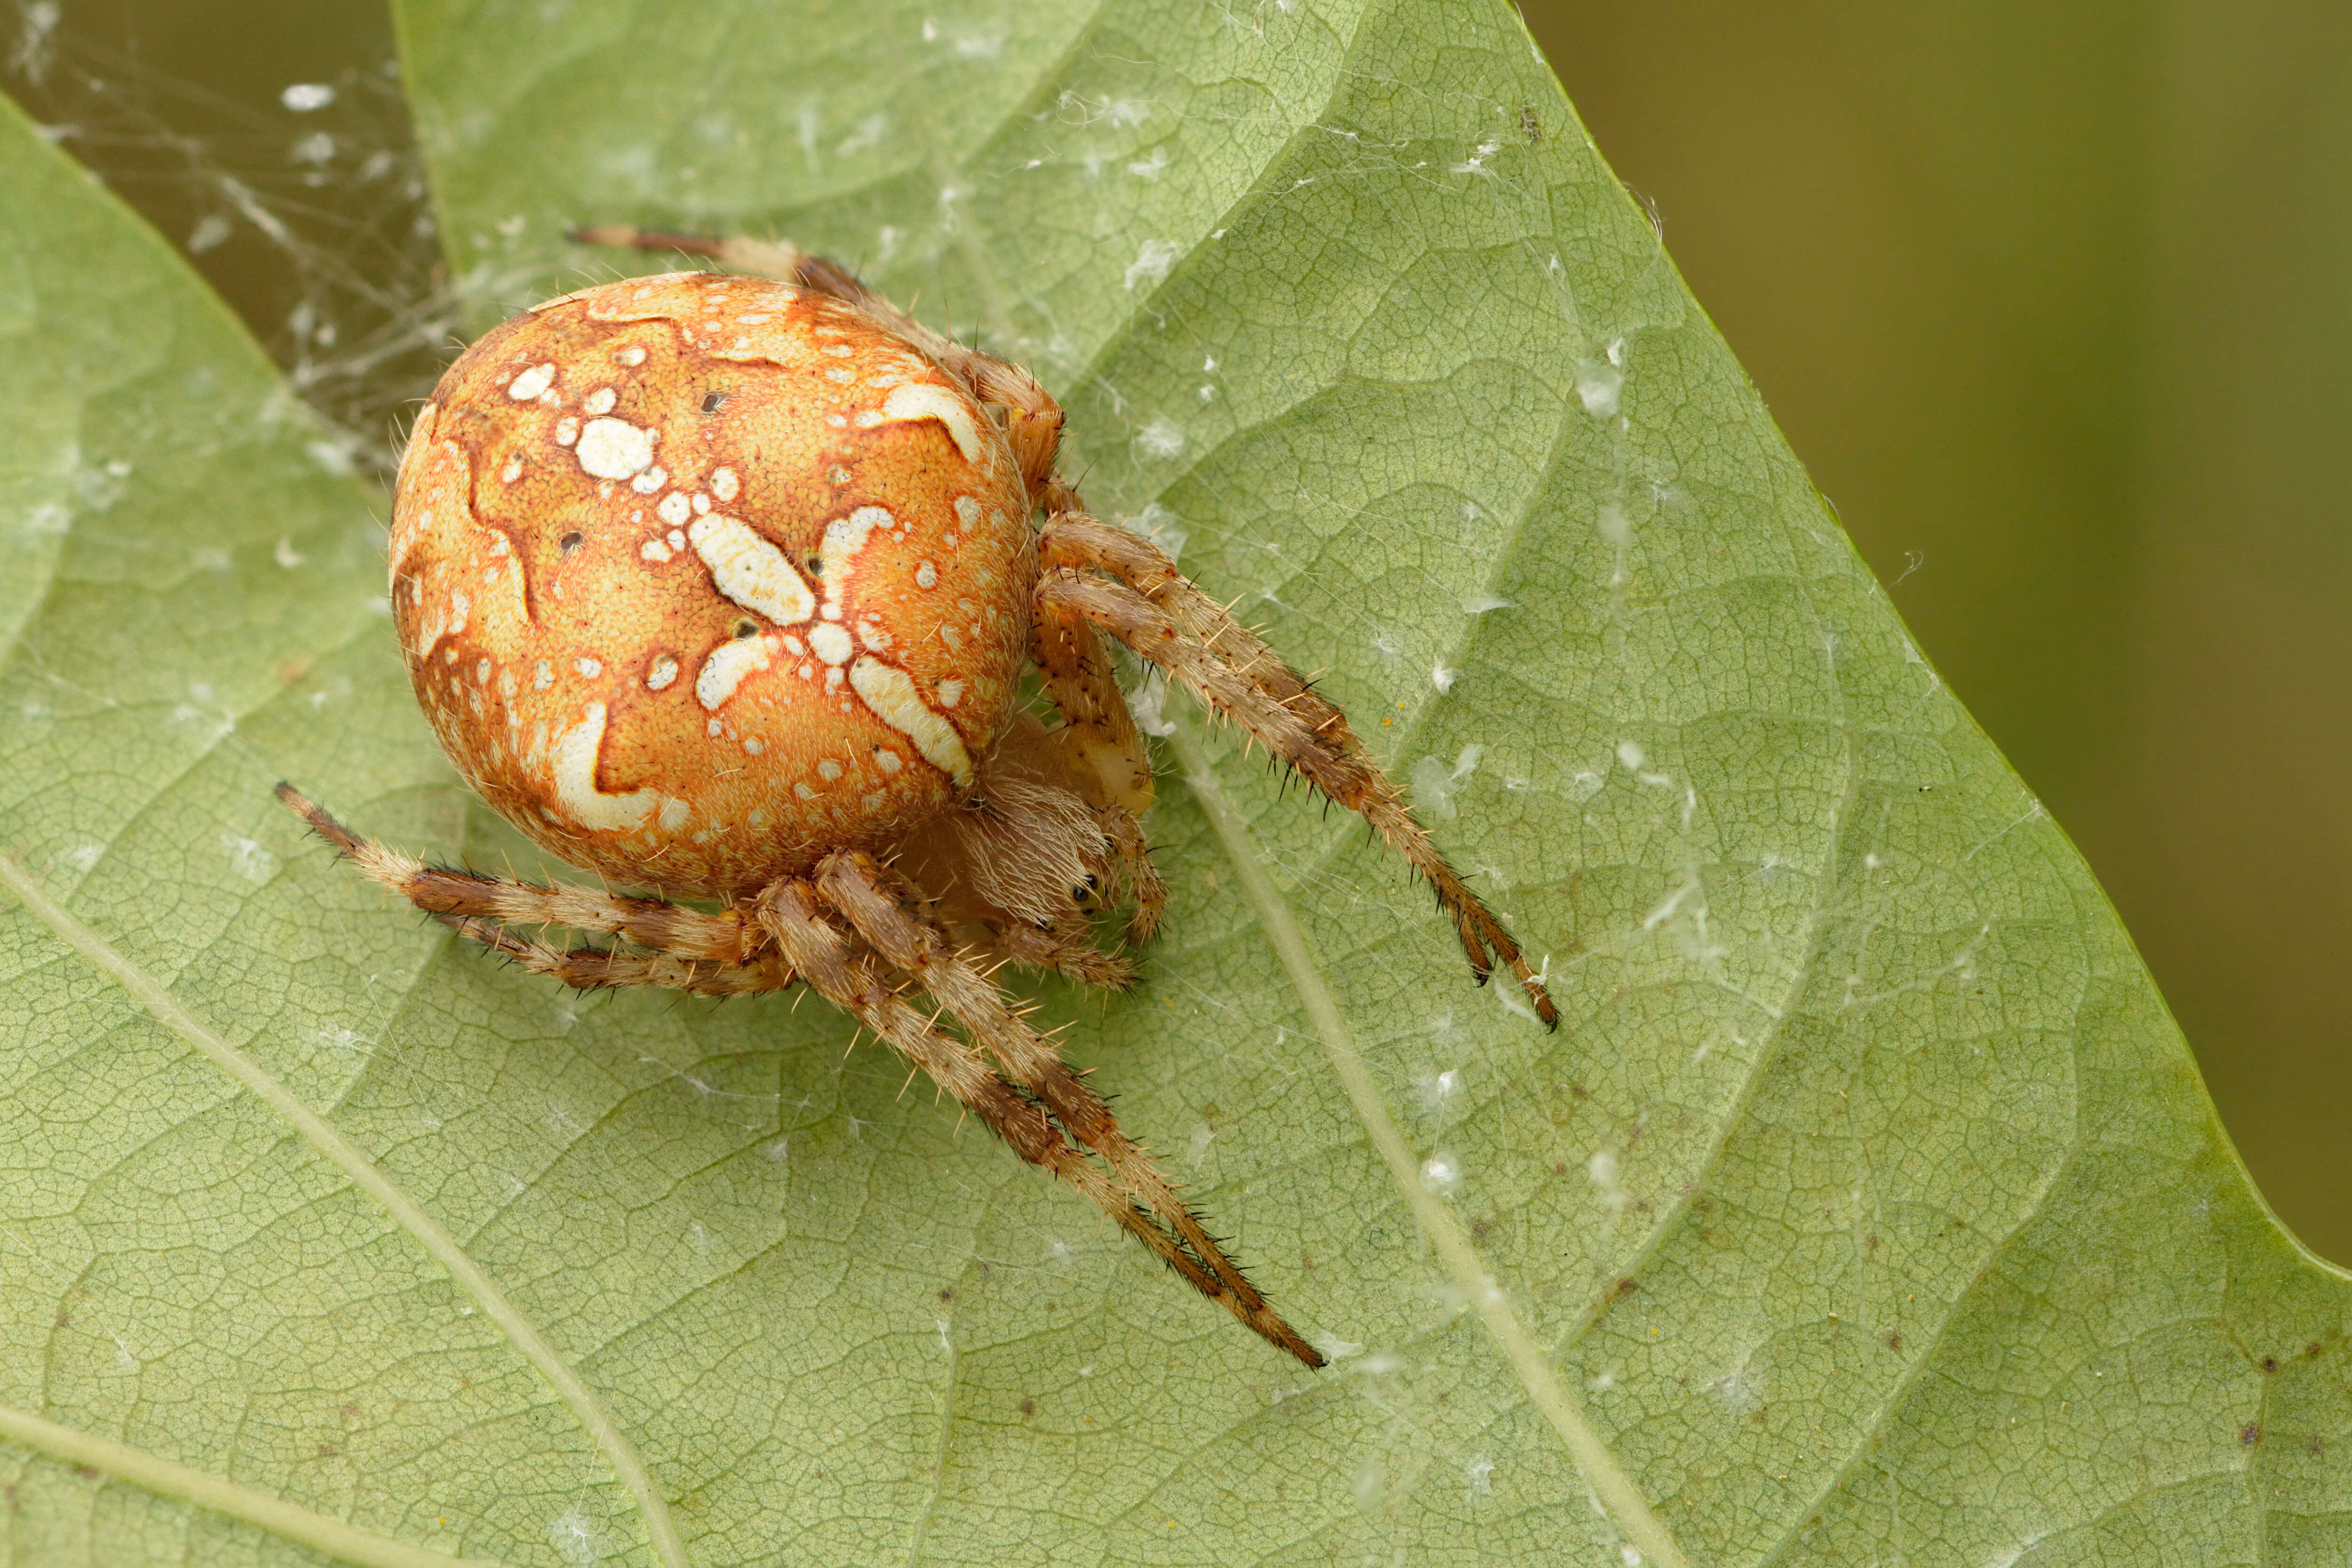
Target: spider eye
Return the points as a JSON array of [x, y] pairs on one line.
[[711, 400], [569, 541], [745, 627], [815, 565]]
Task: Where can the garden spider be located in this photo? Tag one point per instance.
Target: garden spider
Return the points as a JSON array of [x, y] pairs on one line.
[[725, 585]]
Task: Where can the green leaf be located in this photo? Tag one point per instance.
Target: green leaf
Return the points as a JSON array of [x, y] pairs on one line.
[[1866, 1207]]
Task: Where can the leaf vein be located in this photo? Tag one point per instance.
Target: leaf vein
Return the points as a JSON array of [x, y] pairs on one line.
[[1546, 1391], [322, 1136]]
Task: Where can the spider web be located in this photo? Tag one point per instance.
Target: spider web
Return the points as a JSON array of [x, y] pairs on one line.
[[303, 203]]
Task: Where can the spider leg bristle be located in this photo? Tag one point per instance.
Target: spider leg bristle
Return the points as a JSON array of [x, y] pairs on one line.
[[346, 843]]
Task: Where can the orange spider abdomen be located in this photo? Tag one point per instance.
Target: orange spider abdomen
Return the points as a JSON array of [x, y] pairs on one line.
[[700, 576]]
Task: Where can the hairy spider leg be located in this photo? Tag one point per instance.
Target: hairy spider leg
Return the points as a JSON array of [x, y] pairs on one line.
[[1102, 747], [1144, 889], [1097, 738], [1327, 755], [1066, 950], [1073, 540], [858, 886], [477, 909], [599, 969], [1072, 537], [657, 923], [822, 955]]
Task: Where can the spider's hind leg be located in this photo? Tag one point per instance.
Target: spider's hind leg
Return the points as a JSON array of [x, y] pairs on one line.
[[694, 945], [778, 259]]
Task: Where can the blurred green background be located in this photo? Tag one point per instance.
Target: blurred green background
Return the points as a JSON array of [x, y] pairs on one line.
[[2055, 300]]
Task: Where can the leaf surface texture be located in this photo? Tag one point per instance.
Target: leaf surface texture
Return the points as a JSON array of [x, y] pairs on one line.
[[1866, 1207]]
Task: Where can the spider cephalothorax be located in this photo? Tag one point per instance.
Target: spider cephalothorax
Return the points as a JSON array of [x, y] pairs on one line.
[[724, 586]]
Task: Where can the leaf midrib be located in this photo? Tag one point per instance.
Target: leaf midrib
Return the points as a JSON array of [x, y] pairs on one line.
[[1607, 1477], [1551, 1397]]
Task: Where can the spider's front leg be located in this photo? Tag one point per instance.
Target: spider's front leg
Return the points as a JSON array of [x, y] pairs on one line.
[[793, 912], [1068, 949], [1100, 746], [1111, 579], [715, 955], [882, 914], [605, 969]]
